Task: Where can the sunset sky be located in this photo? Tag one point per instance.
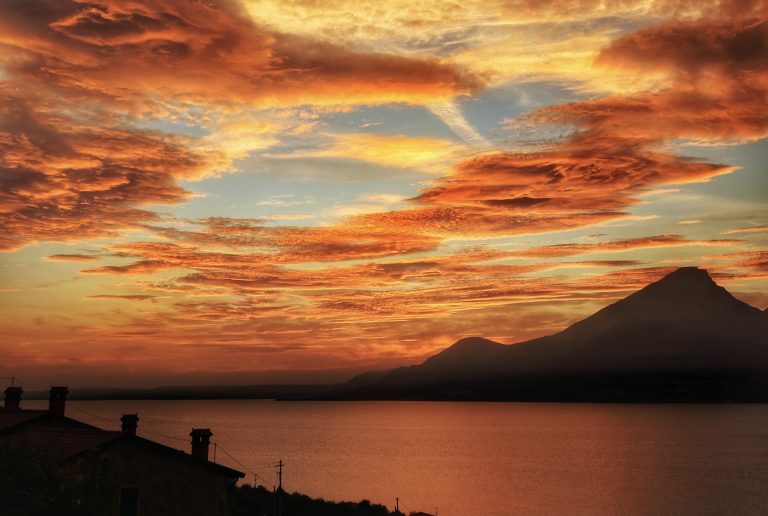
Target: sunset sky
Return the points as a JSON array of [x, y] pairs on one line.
[[203, 191]]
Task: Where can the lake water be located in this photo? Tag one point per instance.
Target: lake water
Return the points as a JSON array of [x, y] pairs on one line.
[[482, 459]]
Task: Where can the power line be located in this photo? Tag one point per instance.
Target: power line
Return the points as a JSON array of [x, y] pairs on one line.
[[16, 379], [249, 470], [166, 436], [144, 431], [78, 409]]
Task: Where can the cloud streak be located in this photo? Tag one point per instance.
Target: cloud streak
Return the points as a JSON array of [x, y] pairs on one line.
[[560, 250], [71, 258], [749, 229], [125, 297]]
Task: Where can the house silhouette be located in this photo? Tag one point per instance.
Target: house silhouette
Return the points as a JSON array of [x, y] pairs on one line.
[[115, 472]]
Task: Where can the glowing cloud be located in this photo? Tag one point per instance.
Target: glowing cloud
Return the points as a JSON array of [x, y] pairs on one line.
[[144, 53]]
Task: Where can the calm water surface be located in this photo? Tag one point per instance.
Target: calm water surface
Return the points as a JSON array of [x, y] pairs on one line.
[[483, 459]]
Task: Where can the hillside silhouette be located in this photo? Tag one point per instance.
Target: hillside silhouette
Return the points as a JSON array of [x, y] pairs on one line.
[[682, 338]]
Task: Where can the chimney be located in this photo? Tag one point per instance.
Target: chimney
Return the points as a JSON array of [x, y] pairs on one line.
[[58, 399], [129, 422], [201, 439], [13, 398]]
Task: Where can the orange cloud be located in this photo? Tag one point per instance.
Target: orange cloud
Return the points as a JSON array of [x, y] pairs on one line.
[[749, 229], [86, 174], [393, 290], [293, 244], [128, 297], [140, 267], [586, 180], [592, 177], [146, 54], [64, 180], [71, 258], [755, 261], [598, 172], [218, 311], [560, 250], [719, 89], [400, 151], [547, 10], [718, 73]]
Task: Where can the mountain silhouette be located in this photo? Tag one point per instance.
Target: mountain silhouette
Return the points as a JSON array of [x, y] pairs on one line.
[[682, 334]]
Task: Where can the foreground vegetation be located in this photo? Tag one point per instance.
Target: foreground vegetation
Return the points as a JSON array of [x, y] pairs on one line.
[[259, 501]]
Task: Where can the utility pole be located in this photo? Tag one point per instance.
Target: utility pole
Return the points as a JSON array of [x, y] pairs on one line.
[[13, 381], [397, 505], [279, 467], [279, 489]]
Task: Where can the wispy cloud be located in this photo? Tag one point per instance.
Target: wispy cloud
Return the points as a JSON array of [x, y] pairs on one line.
[[71, 258], [450, 113], [750, 229], [559, 250], [124, 297], [429, 154]]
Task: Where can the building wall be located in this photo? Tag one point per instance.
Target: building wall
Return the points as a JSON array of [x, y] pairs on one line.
[[167, 485]]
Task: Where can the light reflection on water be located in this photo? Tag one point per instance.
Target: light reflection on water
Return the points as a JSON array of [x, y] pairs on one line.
[[483, 459]]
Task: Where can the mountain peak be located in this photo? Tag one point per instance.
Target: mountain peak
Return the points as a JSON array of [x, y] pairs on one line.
[[688, 276], [466, 349], [689, 285], [691, 271], [688, 293], [470, 342]]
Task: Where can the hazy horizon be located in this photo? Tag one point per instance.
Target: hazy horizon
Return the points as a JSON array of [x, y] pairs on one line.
[[686, 285]]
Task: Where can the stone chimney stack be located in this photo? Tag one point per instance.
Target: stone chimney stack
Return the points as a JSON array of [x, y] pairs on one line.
[[201, 440], [129, 422], [58, 399], [13, 398]]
